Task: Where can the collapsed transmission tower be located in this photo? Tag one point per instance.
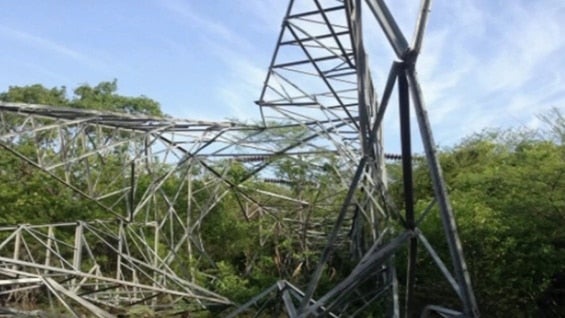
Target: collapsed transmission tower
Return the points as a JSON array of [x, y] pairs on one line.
[[319, 76], [150, 235]]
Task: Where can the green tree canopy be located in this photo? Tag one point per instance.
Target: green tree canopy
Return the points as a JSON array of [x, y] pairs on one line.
[[508, 192], [507, 189], [35, 196], [36, 94], [102, 96]]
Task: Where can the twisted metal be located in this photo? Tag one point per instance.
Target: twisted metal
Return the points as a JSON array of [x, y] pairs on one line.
[[123, 163], [318, 82], [319, 77]]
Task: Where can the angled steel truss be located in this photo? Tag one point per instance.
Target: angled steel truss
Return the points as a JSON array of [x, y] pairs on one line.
[[77, 148], [123, 165], [320, 77], [318, 82]]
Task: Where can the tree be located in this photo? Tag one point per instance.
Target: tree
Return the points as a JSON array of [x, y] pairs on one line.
[[36, 94], [555, 123], [507, 190], [29, 195], [103, 96], [36, 197]]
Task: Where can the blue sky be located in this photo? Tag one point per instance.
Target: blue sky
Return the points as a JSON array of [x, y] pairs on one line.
[[485, 63]]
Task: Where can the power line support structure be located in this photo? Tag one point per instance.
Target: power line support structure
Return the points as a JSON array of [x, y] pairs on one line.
[[319, 76], [122, 165]]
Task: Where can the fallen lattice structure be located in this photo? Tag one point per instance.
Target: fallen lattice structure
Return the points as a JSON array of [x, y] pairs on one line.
[[318, 82]]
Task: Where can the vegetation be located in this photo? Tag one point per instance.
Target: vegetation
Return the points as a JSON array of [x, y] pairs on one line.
[[100, 97], [507, 189]]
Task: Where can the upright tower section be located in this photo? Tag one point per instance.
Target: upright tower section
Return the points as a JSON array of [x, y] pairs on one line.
[[319, 77]]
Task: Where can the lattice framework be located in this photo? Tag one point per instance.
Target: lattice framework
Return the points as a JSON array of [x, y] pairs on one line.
[[319, 82]]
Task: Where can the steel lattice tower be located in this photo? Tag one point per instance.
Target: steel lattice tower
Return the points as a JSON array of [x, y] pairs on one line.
[[319, 76], [318, 81]]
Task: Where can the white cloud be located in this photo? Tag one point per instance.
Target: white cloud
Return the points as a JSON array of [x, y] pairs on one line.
[[265, 15], [524, 38], [203, 23], [52, 46], [480, 66], [243, 85], [485, 67]]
